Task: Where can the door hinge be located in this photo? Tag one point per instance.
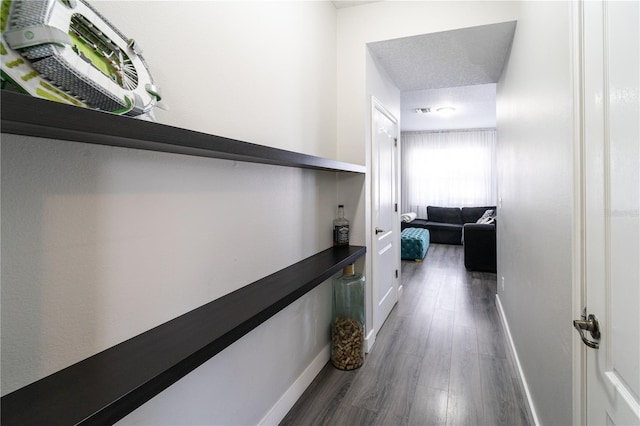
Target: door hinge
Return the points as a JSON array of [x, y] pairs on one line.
[[396, 207], [395, 142], [396, 273]]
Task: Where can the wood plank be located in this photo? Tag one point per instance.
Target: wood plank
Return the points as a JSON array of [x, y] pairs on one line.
[[429, 407], [415, 334], [436, 361], [447, 294], [463, 410], [388, 386], [465, 301], [357, 416], [319, 402], [491, 337], [465, 391], [498, 395]]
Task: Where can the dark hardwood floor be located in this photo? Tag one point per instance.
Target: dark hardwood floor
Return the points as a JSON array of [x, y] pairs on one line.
[[441, 358]]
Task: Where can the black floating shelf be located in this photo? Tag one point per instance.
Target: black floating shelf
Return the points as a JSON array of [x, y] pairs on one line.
[[106, 387], [29, 116]]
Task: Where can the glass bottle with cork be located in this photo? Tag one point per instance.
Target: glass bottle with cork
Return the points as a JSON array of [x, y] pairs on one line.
[[347, 326]]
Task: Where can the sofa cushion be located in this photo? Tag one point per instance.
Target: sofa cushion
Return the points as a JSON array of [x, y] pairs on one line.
[[451, 215], [472, 214], [442, 226]]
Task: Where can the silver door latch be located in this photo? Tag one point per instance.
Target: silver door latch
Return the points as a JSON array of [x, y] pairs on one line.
[[590, 324]]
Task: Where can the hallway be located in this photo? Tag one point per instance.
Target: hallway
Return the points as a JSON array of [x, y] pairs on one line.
[[441, 358]]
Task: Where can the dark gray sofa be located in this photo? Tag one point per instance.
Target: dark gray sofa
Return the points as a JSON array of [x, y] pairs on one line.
[[453, 225], [445, 223]]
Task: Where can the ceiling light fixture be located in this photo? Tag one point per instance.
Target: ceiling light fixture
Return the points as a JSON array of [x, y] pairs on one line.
[[445, 109]]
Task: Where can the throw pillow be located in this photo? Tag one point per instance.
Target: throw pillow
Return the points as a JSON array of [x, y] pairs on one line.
[[487, 217]]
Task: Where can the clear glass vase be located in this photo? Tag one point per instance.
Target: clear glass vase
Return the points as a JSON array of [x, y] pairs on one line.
[[347, 327]]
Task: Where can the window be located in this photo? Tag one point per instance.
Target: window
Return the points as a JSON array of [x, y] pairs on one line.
[[448, 169]]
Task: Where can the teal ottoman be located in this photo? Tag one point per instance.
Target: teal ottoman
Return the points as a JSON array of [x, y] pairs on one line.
[[414, 243]]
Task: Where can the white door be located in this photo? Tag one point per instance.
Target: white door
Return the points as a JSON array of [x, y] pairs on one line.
[[611, 194], [385, 219]]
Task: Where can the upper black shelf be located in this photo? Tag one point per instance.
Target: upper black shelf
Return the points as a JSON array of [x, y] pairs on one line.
[[106, 387], [29, 116]]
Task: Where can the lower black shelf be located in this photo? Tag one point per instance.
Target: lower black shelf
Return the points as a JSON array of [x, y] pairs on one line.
[[106, 387]]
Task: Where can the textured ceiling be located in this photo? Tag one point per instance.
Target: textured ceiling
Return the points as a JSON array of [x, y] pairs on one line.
[[457, 68], [475, 108], [455, 58]]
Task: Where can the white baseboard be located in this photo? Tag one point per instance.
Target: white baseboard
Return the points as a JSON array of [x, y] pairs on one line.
[[503, 318], [287, 401], [369, 341]]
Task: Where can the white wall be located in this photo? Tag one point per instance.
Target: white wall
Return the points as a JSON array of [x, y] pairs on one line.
[[261, 71], [100, 243], [359, 77], [535, 139]]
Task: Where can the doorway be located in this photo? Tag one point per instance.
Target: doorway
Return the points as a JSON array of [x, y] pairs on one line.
[[396, 73]]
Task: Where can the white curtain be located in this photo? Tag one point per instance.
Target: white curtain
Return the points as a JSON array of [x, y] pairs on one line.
[[448, 169]]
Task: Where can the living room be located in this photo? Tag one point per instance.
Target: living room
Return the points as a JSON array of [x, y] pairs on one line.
[[448, 170]]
